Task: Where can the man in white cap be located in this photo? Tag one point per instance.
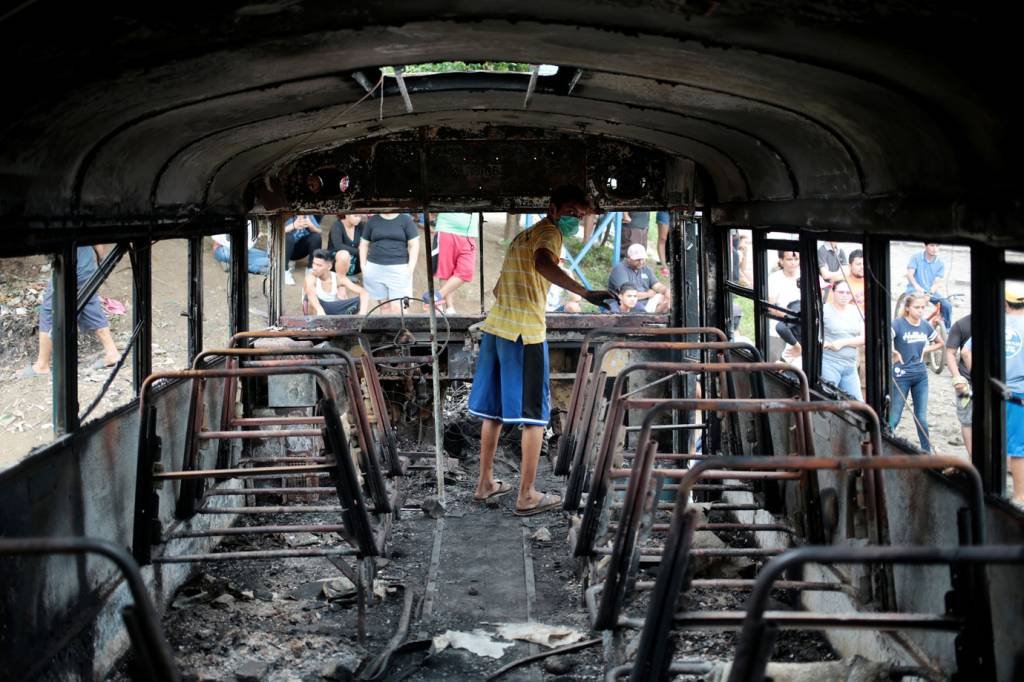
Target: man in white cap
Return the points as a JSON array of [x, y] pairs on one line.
[[652, 295]]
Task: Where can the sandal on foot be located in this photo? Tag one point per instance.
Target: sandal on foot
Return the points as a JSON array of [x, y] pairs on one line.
[[102, 364], [502, 489], [30, 372], [546, 503]]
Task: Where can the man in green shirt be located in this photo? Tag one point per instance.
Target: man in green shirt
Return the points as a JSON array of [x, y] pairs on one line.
[[454, 255]]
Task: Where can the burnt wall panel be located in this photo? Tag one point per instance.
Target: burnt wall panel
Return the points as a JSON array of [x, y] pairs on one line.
[[81, 486]]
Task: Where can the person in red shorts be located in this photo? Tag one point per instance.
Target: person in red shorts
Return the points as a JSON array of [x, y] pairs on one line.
[[455, 255]]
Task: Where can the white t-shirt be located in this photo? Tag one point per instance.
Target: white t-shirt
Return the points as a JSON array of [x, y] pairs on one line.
[[784, 291]]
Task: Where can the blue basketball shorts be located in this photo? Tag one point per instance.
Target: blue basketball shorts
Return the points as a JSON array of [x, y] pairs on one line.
[[511, 382]]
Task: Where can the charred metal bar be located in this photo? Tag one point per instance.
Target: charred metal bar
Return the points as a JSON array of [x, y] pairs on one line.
[[754, 645], [534, 69], [400, 79], [243, 492], [142, 312], [323, 362], [988, 362], [434, 352], [669, 427], [256, 554], [694, 668], [256, 530], [195, 297], [64, 335], [318, 509], [239, 473], [297, 459], [742, 584], [243, 435], [276, 421], [190, 490], [480, 256], [143, 624]]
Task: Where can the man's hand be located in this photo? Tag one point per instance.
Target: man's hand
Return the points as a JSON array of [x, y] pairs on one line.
[[599, 297]]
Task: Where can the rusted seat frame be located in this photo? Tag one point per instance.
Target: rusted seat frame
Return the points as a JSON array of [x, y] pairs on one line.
[[592, 397], [600, 479], [355, 515], [584, 363], [364, 427], [370, 375], [672, 571], [620, 571], [140, 618]]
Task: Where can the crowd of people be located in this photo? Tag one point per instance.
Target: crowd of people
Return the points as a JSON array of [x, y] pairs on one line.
[[372, 258]]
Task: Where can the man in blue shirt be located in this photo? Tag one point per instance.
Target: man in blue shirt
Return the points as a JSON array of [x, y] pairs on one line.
[[1014, 345], [926, 273]]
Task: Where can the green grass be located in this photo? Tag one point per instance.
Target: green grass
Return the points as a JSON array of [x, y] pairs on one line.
[[747, 323]]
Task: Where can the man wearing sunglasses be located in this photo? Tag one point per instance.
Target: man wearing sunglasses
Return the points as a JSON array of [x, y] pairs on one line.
[[510, 385]]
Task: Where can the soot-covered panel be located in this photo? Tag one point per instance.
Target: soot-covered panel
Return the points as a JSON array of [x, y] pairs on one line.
[[507, 168]]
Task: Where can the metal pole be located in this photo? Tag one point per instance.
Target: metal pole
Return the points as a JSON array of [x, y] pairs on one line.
[[480, 254], [64, 336], [142, 264], [195, 297], [439, 459]]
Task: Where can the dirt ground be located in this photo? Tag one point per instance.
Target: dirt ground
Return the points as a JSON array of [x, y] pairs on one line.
[[26, 404]]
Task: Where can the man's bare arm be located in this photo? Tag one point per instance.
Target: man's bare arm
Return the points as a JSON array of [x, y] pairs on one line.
[[547, 265]]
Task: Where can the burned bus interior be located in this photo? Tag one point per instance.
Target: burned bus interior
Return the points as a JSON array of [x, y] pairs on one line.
[[799, 456]]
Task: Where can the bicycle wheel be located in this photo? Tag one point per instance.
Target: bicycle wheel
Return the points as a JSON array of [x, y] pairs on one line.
[[936, 360]]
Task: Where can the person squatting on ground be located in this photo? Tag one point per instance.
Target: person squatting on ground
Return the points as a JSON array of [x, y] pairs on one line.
[[301, 239], [91, 319], [510, 385], [455, 262], [654, 296], [387, 256], [258, 260], [628, 300], [912, 337], [960, 371], [343, 242], [326, 290], [926, 273]]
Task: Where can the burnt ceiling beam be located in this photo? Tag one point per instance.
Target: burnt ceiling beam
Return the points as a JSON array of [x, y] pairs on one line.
[[998, 222]]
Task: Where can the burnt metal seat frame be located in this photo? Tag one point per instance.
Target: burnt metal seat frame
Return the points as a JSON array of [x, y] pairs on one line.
[[370, 376], [757, 637], [601, 470], [365, 433], [152, 651], [592, 396], [620, 571], [584, 362], [672, 572], [354, 513]]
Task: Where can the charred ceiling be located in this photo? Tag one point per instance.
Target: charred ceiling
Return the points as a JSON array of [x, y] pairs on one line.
[[508, 167], [148, 114]]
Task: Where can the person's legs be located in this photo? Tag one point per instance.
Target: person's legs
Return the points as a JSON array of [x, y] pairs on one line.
[[849, 383], [533, 438], [1015, 447], [945, 309], [488, 446], [343, 262], [110, 352], [447, 291], [919, 394], [897, 401], [42, 363], [663, 221]]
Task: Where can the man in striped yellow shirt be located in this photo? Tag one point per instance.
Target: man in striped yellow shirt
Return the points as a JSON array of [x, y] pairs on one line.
[[511, 380]]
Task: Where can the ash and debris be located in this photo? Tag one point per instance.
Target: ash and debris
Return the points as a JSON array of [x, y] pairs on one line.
[[295, 620]]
